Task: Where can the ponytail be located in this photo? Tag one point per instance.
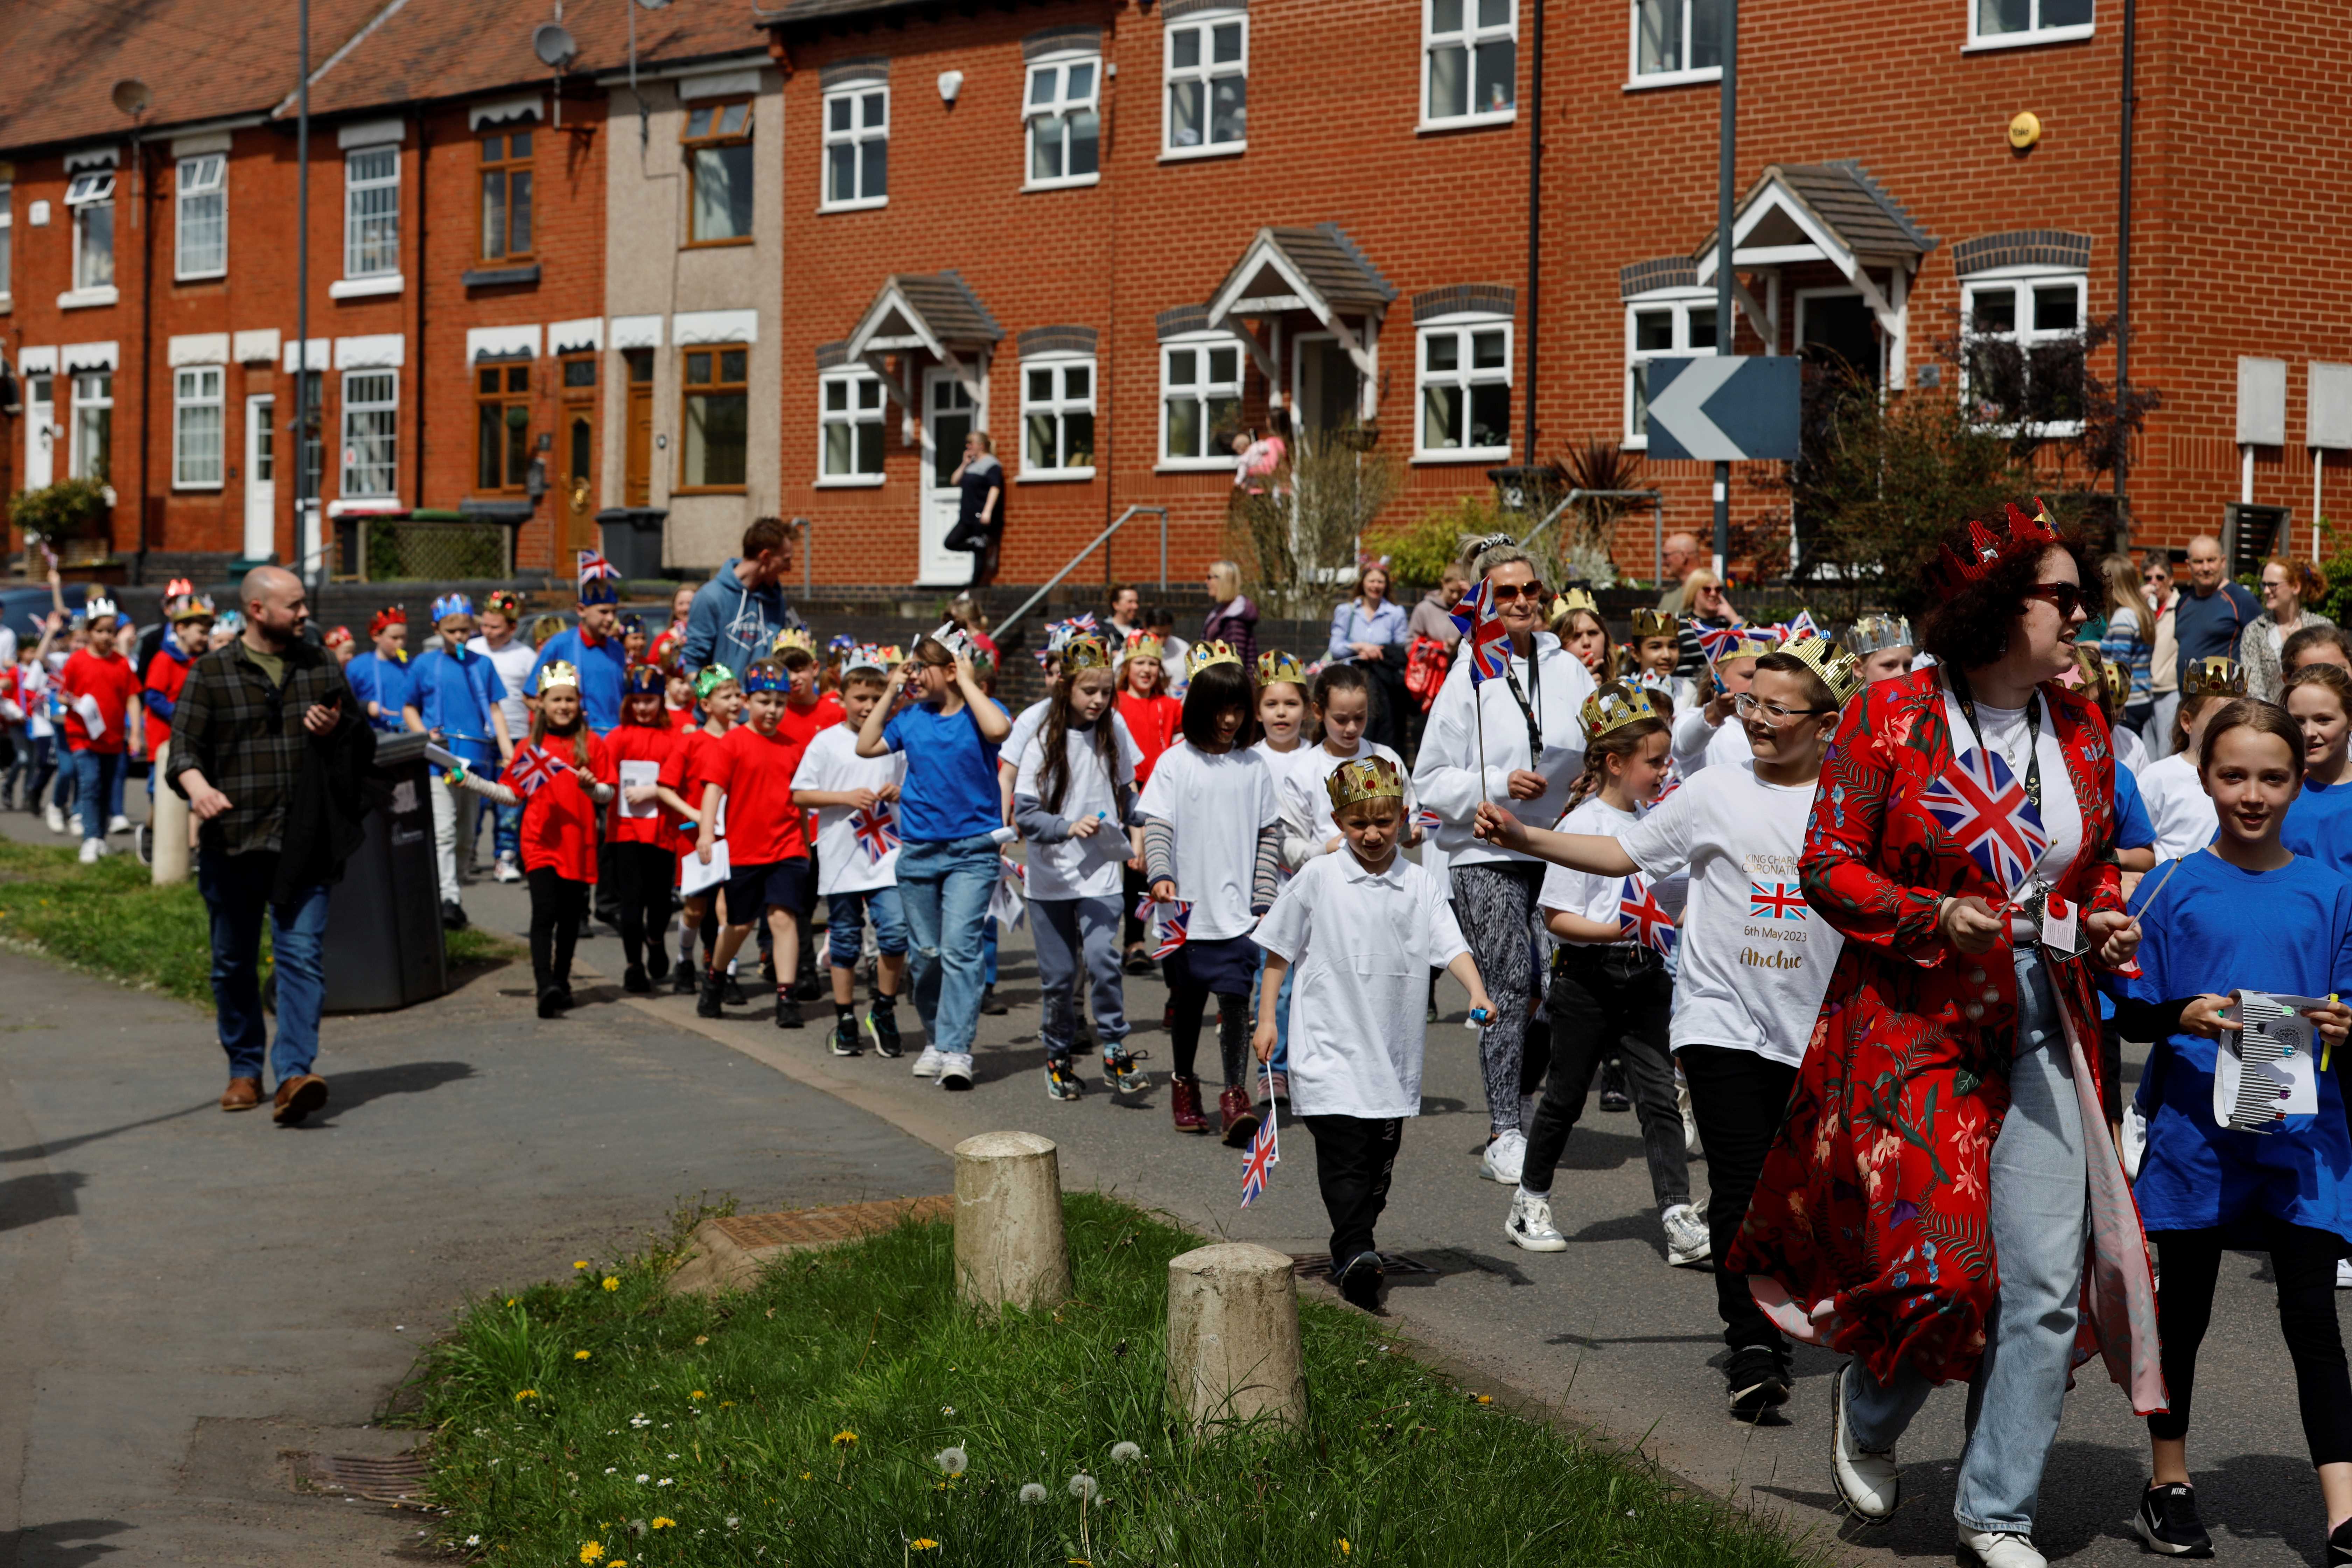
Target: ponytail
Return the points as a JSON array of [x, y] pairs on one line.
[[1622, 742]]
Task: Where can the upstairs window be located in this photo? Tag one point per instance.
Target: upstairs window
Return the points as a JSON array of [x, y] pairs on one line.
[[1465, 390], [1668, 323], [1207, 76], [2022, 350], [89, 197], [505, 195], [2004, 24], [201, 199], [1470, 56], [849, 426], [196, 428], [858, 145], [1199, 401], [1064, 129], [1678, 40], [718, 172], [372, 211], [1057, 420]]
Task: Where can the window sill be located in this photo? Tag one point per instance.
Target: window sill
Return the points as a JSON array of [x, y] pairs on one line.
[[214, 275], [497, 276], [7, 303], [1675, 78], [2030, 40], [1465, 454], [1468, 122], [862, 204], [1082, 182], [364, 506], [1052, 475], [718, 244], [179, 487], [1635, 442], [850, 481], [85, 299], [1194, 466], [1194, 154], [365, 287], [709, 490]]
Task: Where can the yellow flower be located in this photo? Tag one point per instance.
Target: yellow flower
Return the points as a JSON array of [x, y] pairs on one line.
[[923, 1543], [611, 1283], [524, 1394], [1344, 1547], [580, 1263], [726, 1405], [662, 1522], [804, 1475], [841, 1437], [1485, 1399], [578, 1355], [592, 1552], [697, 1394]]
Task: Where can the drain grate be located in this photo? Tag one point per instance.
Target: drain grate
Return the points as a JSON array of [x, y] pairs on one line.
[[1318, 1264], [799, 1227], [398, 1480]]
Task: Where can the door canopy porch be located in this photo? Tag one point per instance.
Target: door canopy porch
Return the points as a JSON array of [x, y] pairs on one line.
[[1286, 275], [928, 314]]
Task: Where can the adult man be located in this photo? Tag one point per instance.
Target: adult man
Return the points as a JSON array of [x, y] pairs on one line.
[[2164, 656], [1679, 557], [593, 649], [513, 659], [249, 712], [980, 506], [737, 615], [2214, 613], [1125, 616]]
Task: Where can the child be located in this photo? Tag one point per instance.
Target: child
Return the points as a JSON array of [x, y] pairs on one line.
[[1701, 738], [638, 753], [685, 779], [2108, 683], [1885, 645], [560, 779], [634, 640], [1343, 697], [1749, 982], [1576, 621], [511, 658], [1657, 648], [857, 856], [454, 697], [2319, 698], [768, 869], [951, 817], [1153, 721], [338, 641], [1075, 801], [1213, 839], [2243, 914], [379, 677], [1176, 666], [809, 710], [2170, 787], [103, 720], [677, 696], [191, 634], [1363, 929], [1610, 992], [28, 691], [1282, 708]]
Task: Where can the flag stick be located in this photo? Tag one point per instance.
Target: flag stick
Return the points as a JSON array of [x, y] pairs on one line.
[[1478, 717]]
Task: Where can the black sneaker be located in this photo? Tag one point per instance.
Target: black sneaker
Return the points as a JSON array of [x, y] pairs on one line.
[[882, 1022], [453, 915], [1755, 1381], [735, 993], [657, 965], [1061, 1083], [635, 982], [2168, 1524], [706, 1006], [2339, 1545], [1360, 1282], [844, 1037], [551, 1003], [990, 1004], [684, 981], [1120, 1075], [1612, 1088], [788, 1011]]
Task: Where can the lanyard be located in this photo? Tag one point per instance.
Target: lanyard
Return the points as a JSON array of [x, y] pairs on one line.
[[1530, 709], [2033, 733]]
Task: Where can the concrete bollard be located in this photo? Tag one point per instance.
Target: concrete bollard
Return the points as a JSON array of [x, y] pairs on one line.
[[167, 828], [1009, 1246], [1233, 1337]]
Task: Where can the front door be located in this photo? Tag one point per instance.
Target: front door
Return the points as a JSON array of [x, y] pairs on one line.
[[260, 477], [949, 415], [1328, 394], [40, 430], [637, 446]]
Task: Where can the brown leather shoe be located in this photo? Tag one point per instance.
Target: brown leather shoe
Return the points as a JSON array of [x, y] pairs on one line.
[[298, 1097], [242, 1094], [1184, 1105], [1238, 1117]]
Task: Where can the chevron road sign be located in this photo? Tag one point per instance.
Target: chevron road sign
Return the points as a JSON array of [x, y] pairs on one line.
[[1725, 408]]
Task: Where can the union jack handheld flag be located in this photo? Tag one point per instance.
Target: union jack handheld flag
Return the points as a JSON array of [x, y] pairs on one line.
[[1641, 917], [1489, 642], [1775, 902], [1714, 641], [1982, 803], [594, 565], [1167, 930], [1266, 1150], [532, 767], [877, 828]]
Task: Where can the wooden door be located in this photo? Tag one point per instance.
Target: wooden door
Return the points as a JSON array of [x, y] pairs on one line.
[[575, 449], [637, 453]]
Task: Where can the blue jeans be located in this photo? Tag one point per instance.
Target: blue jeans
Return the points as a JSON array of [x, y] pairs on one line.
[[845, 915], [944, 886], [988, 956], [2038, 1198], [98, 784], [1076, 935], [236, 889]]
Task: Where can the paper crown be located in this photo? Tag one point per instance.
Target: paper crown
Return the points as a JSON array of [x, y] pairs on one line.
[[177, 588], [765, 675], [1276, 667], [231, 622], [709, 678], [1058, 636], [1569, 603], [2213, 678], [866, 655], [100, 608], [2101, 677], [503, 602], [1875, 634], [1747, 645], [952, 637], [558, 672], [600, 591], [1614, 707], [1142, 645], [1839, 670], [197, 607], [1203, 656], [643, 680], [841, 643], [633, 625], [1081, 654], [793, 639], [449, 605], [336, 635], [600, 580], [1975, 554], [1362, 779], [390, 615], [1653, 623]]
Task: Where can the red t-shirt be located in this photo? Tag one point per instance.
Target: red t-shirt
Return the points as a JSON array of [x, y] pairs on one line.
[[687, 770], [803, 725], [559, 820], [682, 718], [113, 683], [756, 771], [166, 677], [1154, 723], [638, 743]]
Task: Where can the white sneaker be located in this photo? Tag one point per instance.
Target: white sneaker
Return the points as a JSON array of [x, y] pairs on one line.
[[2344, 1274], [54, 818], [506, 870], [1504, 1156], [2001, 1549], [1690, 1123], [955, 1070], [91, 848], [1688, 1242], [1870, 1484], [1530, 1228], [117, 823], [928, 1064]]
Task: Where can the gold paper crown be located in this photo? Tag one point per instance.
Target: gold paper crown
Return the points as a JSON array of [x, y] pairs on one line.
[[1201, 655], [1082, 654], [1142, 645], [1839, 670], [794, 638], [1277, 666], [1614, 707], [2101, 674], [558, 672], [1569, 603], [1748, 644], [1362, 779], [1876, 634], [2213, 678], [1653, 623]]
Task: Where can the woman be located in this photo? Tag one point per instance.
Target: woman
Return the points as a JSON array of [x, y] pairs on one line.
[[1366, 629], [1704, 604], [2164, 657], [2287, 586], [1233, 619], [2130, 641], [980, 506], [1516, 738], [1945, 1130]]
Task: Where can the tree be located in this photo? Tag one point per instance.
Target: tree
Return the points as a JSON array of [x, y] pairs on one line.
[[1299, 539]]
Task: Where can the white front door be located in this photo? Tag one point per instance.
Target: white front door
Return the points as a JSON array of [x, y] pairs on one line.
[[40, 430], [260, 478], [949, 415]]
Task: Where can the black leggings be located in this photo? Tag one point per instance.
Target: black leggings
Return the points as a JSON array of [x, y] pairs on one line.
[[1610, 1000], [643, 872], [558, 905], [1189, 1001], [2303, 1262]]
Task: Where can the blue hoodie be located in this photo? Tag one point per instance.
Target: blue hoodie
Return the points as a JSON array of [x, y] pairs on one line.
[[733, 625]]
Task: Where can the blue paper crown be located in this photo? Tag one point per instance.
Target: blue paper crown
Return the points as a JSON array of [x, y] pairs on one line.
[[645, 680], [600, 591], [765, 675], [633, 622], [449, 605]]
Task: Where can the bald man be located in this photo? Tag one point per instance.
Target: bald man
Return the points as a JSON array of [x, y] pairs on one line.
[[1680, 554], [251, 710], [2212, 612]]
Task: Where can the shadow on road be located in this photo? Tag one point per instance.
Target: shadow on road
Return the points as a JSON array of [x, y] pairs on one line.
[[29, 1200], [43, 1151], [68, 1543], [348, 1091]]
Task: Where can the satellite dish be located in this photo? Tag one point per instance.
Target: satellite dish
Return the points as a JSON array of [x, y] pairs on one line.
[[554, 44], [131, 97]]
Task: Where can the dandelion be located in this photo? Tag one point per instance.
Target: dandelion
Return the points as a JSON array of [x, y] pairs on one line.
[[524, 1394], [841, 1437], [663, 1522], [953, 1460], [921, 1544], [805, 1475], [1485, 1399], [726, 1405], [1083, 1486], [697, 1394], [578, 1355], [611, 1283], [1030, 1493], [592, 1552], [580, 1263], [1125, 1453], [1344, 1547]]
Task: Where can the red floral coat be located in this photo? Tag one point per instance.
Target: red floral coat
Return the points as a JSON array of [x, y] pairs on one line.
[[1868, 1229]]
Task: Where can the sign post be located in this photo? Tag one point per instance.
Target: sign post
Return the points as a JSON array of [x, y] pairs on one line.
[[1727, 139]]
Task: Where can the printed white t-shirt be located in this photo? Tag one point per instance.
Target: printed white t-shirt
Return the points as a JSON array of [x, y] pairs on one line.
[[1595, 897], [1087, 867], [831, 762], [1214, 805]]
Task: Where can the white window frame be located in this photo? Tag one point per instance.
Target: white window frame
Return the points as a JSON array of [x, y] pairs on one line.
[[857, 380], [355, 406], [355, 190], [859, 135], [1637, 79], [201, 178], [1468, 36], [1062, 106], [88, 193], [1204, 390], [1058, 407], [7, 234], [2034, 33], [198, 390], [1204, 75], [77, 458], [2021, 282], [1462, 327], [1681, 302]]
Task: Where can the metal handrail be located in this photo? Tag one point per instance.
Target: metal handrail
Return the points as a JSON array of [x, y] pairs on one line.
[[1032, 602]]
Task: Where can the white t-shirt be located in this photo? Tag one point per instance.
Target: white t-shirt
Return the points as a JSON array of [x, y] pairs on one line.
[[1307, 828], [1172, 665], [1697, 747], [1285, 764], [513, 663], [33, 684], [1087, 867], [1755, 960], [1597, 898], [1026, 726], [1214, 805], [831, 762], [2178, 806], [2130, 750], [1363, 946]]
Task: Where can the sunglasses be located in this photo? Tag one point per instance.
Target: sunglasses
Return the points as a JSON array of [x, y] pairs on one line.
[[1505, 592], [2064, 597]]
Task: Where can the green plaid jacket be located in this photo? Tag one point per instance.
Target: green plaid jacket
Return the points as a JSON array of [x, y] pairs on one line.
[[246, 737]]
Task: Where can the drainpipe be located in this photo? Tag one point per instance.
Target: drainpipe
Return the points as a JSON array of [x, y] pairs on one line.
[[1535, 218], [417, 371], [146, 346], [2123, 271]]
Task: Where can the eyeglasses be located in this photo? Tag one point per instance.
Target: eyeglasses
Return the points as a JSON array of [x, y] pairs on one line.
[[2064, 597], [1747, 702], [1504, 593]]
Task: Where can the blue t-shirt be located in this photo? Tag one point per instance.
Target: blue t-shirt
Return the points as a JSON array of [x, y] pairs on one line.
[[951, 790], [379, 681], [600, 667], [2209, 627], [2215, 928], [2133, 829], [454, 694], [2319, 824]]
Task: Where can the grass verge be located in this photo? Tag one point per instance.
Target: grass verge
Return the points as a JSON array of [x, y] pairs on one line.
[[109, 918], [847, 1411]]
